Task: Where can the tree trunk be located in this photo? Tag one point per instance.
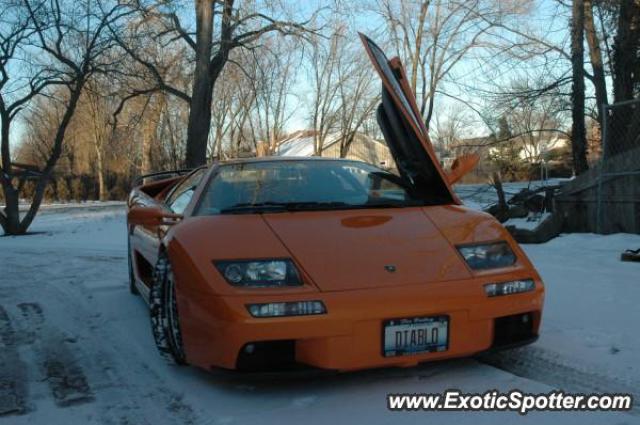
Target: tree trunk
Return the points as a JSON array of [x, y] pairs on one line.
[[146, 151], [415, 60], [427, 120], [53, 158], [502, 212], [102, 188], [346, 143], [502, 200], [100, 169], [149, 132], [595, 56], [626, 77], [200, 108], [10, 220], [625, 48], [10, 217], [578, 132]]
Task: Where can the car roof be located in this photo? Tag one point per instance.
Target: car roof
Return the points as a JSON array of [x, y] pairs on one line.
[[283, 159]]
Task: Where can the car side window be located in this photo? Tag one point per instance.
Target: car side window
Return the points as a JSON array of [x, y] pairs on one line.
[[181, 196], [383, 62]]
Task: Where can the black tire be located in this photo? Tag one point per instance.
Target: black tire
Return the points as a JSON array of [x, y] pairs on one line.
[[165, 324], [132, 279]]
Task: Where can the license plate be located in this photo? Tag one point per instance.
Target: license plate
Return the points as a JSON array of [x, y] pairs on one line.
[[403, 337]]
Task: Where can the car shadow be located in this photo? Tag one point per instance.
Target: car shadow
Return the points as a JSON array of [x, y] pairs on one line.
[[300, 378]]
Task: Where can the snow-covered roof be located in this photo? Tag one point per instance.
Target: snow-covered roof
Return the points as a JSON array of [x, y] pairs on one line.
[[301, 143], [303, 146]]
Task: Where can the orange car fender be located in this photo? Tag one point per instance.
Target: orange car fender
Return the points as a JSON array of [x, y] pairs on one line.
[[462, 225], [193, 246]]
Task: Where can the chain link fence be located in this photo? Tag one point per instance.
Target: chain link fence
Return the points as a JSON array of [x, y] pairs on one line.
[[618, 181]]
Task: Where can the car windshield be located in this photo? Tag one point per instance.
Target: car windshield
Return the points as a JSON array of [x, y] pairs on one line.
[[272, 186]]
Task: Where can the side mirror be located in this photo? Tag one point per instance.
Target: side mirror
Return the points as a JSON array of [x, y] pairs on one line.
[[151, 216], [461, 166]]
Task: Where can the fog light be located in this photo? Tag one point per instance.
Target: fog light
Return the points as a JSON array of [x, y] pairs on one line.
[[508, 288], [296, 308]]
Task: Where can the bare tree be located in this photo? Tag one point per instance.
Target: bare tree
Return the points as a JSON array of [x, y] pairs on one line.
[[62, 49], [272, 86], [94, 116], [324, 76], [220, 27], [558, 62], [434, 36], [595, 57], [625, 51], [626, 76], [535, 123], [358, 94], [449, 130], [578, 130]]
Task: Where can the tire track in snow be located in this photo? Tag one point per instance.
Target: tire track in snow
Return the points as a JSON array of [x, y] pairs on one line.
[[549, 368], [121, 386], [13, 385], [77, 362], [62, 372], [33, 318]]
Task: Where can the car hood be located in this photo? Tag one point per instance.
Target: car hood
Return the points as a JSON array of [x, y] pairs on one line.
[[356, 249]]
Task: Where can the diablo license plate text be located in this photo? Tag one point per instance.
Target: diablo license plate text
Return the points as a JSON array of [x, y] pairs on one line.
[[417, 335]]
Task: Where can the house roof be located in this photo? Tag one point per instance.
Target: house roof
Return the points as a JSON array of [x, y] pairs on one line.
[[301, 143]]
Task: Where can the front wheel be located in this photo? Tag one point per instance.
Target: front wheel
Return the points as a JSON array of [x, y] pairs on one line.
[[164, 313]]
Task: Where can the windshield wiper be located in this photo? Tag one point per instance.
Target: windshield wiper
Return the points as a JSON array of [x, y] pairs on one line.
[[248, 207], [284, 206], [315, 205], [270, 206]]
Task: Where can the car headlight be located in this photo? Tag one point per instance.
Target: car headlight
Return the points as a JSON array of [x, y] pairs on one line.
[[487, 256], [509, 288], [262, 273]]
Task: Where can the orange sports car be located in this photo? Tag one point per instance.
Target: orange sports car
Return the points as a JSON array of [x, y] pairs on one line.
[[330, 263]]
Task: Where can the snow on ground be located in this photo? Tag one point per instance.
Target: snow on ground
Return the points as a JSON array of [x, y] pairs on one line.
[[480, 196], [530, 222], [591, 304], [76, 346], [68, 206]]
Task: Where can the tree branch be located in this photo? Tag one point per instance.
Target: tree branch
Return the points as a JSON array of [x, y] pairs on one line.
[[155, 73], [513, 137]]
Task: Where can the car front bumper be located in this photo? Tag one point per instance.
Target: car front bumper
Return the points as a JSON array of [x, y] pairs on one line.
[[217, 330]]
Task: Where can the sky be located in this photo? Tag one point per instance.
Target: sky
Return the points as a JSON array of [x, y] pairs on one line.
[[468, 84], [470, 81]]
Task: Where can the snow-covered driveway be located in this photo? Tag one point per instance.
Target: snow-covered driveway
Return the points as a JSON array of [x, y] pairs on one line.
[[75, 346]]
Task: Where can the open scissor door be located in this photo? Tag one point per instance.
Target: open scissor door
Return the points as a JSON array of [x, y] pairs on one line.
[[404, 131]]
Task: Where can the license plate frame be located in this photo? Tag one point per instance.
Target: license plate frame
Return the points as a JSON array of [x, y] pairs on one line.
[[415, 324]]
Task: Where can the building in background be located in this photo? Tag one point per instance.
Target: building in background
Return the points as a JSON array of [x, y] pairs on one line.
[[302, 143]]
